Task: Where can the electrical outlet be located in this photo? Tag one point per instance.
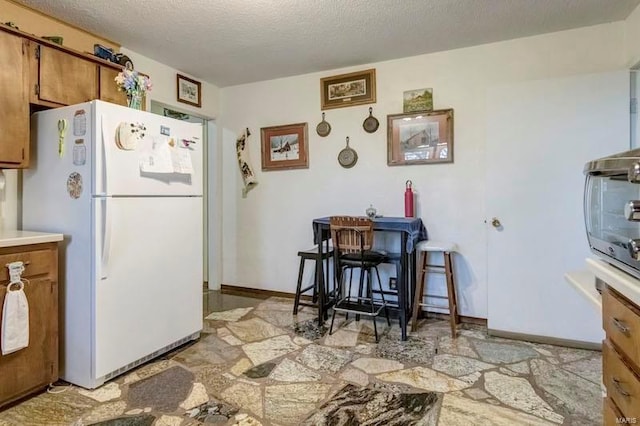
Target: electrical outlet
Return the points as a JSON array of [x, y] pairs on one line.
[[393, 283]]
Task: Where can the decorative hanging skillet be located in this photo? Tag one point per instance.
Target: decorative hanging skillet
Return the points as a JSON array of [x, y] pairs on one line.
[[347, 157], [370, 123], [323, 128]]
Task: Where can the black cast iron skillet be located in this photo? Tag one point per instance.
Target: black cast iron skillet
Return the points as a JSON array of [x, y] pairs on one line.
[[370, 123], [323, 128], [347, 157]]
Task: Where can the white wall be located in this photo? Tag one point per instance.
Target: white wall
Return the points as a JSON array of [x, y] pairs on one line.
[[163, 78], [263, 232]]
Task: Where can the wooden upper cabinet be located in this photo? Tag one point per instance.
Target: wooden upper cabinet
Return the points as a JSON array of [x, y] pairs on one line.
[[108, 89], [65, 79], [14, 102]]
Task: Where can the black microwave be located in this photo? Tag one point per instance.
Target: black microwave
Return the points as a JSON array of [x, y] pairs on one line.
[[612, 209]]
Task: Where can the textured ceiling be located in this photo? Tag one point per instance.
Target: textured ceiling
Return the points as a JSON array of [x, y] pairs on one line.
[[229, 42]]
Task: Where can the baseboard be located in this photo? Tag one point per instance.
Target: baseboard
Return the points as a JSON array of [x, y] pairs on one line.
[[463, 319], [546, 340], [258, 293]]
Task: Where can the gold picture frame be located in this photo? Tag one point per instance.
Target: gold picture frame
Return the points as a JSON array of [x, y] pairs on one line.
[[345, 90], [420, 138], [285, 147]]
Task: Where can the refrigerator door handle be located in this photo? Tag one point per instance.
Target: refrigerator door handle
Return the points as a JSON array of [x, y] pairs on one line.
[[106, 238], [105, 162]]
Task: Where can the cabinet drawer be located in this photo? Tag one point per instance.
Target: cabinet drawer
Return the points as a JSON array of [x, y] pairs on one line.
[[36, 262], [623, 386], [610, 413], [621, 322]]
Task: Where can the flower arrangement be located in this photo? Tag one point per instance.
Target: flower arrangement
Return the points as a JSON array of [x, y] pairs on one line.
[[134, 85]]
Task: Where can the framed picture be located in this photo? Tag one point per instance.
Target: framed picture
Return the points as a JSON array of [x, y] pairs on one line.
[[189, 91], [351, 89], [420, 138], [417, 100], [284, 147]]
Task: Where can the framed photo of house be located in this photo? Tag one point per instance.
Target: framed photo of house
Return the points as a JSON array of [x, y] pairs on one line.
[[189, 91], [346, 90], [420, 138], [284, 147]]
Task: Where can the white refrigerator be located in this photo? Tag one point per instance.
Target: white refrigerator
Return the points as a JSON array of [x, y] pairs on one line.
[[125, 189]]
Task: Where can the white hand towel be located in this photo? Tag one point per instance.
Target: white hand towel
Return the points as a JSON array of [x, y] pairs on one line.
[[15, 319]]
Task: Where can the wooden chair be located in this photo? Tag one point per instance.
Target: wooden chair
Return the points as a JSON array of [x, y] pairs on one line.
[[447, 249], [353, 241]]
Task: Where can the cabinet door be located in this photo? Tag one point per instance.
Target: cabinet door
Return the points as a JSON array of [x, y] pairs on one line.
[[36, 365], [108, 89], [14, 120], [66, 79]]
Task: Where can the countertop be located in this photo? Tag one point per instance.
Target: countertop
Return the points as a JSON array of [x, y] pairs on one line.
[[584, 281], [620, 281], [13, 238]]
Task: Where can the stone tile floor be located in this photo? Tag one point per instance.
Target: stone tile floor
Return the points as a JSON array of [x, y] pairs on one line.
[[258, 364]]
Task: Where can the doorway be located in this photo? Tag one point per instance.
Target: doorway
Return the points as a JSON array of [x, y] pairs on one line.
[[539, 136], [209, 193]]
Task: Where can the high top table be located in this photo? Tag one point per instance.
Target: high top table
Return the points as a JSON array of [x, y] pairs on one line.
[[411, 231]]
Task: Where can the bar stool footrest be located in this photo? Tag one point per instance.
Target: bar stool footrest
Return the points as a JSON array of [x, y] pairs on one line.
[[364, 307], [431, 305]]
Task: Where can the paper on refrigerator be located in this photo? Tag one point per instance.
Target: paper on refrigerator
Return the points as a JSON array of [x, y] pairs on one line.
[[165, 157]]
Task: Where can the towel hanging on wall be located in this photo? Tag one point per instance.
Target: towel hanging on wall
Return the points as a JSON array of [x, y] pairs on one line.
[[15, 313], [244, 162]]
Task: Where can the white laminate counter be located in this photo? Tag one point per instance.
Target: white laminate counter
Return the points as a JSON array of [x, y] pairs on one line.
[[13, 238], [585, 282], [619, 280]]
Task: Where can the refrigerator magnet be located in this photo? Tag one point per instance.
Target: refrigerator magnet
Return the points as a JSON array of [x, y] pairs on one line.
[[186, 143], [74, 185], [164, 130], [80, 123], [79, 153], [129, 134]]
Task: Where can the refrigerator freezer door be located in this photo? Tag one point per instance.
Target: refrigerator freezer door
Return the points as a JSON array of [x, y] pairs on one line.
[[149, 284], [139, 153]]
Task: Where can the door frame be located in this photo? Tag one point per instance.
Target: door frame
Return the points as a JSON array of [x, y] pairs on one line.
[[211, 194]]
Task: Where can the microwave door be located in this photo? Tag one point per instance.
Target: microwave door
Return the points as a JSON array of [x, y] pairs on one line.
[[612, 218]]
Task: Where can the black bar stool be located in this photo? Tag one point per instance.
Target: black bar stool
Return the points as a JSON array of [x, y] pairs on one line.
[[312, 254]]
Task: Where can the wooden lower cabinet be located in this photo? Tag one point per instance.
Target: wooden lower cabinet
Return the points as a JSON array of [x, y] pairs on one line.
[[36, 366], [621, 359]]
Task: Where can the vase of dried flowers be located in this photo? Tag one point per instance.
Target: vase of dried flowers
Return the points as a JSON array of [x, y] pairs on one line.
[[135, 85], [134, 101]]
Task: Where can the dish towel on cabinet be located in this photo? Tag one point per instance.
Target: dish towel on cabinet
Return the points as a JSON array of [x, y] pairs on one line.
[[15, 313]]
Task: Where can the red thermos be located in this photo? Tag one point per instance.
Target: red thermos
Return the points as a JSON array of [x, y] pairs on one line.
[[408, 200]]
